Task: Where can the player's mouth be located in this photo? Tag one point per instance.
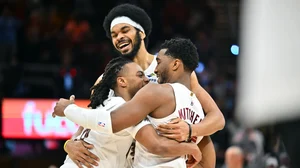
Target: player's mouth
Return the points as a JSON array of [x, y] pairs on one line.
[[123, 47]]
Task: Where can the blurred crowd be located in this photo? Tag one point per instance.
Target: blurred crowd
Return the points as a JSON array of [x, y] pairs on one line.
[[54, 48]]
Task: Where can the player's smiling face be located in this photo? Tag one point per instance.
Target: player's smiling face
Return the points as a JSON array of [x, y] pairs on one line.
[[135, 78], [126, 39], [163, 66]]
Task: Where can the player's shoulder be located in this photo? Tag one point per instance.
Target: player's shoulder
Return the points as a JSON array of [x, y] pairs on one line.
[[116, 100], [156, 86], [156, 90], [113, 101]]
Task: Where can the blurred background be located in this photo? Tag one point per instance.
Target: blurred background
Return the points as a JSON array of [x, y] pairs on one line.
[[53, 48]]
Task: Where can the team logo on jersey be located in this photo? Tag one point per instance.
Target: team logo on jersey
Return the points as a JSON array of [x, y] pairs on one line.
[[101, 124], [152, 77], [192, 94]]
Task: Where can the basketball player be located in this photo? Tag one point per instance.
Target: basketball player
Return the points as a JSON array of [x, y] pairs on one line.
[[125, 78], [129, 28], [177, 59]]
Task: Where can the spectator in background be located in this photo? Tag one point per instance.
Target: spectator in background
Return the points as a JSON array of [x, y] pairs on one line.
[[70, 76], [271, 162], [76, 29], [234, 157], [284, 160], [252, 142]]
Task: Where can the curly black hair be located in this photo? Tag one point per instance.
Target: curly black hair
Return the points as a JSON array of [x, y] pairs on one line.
[[135, 13], [101, 90], [182, 49]]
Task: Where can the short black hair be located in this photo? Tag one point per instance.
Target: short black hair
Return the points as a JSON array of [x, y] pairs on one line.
[[182, 49], [109, 80], [135, 13]]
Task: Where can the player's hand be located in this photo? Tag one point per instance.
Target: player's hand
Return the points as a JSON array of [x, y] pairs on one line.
[[176, 129], [61, 106], [79, 152], [194, 158]]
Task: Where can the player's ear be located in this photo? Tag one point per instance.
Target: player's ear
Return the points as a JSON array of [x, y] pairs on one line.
[[176, 64], [143, 35], [121, 81]]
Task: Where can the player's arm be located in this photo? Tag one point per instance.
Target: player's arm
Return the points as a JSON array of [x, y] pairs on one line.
[[208, 153], [84, 116], [96, 119], [129, 114], [163, 146], [214, 119], [145, 101]]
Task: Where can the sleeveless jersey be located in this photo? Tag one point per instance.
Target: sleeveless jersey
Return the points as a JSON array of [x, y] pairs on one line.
[[110, 148], [188, 108], [149, 72]]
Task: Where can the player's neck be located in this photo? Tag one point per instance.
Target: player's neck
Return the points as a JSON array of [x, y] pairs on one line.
[[143, 58], [124, 94], [184, 79]]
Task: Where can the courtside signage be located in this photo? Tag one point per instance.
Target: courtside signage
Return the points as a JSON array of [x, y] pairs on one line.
[[32, 119]]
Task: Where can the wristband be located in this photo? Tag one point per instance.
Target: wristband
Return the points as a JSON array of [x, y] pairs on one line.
[[190, 132], [66, 144]]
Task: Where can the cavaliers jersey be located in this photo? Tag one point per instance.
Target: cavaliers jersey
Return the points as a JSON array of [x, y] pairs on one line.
[[110, 148], [189, 109], [149, 72]]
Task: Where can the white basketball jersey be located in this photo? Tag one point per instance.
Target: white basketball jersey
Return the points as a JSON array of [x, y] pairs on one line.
[[188, 108], [149, 72], [110, 148]]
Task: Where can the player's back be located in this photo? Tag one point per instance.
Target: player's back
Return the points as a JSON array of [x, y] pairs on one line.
[[187, 108], [110, 148]]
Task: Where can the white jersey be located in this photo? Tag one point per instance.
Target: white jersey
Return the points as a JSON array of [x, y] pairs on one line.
[[149, 72], [188, 108], [110, 148]]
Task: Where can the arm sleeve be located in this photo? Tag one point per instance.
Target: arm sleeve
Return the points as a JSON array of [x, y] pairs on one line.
[[96, 119]]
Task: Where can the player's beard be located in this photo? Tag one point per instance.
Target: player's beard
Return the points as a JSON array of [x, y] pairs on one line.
[[163, 77], [136, 47]]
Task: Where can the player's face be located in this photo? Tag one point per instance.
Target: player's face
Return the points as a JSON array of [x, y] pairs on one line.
[[126, 40], [163, 66], [135, 78]]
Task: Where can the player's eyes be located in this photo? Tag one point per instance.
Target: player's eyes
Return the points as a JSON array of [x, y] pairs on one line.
[[141, 75]]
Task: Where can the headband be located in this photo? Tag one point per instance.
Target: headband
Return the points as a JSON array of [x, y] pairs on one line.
[[125, 19]]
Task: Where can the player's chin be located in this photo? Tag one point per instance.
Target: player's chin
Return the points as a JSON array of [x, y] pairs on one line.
[[125, 51], [159, 81]]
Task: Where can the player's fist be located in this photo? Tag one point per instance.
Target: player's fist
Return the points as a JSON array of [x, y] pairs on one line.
[[61, 106]]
